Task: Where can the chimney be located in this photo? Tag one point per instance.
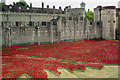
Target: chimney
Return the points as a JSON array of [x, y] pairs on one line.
[[53, 7], [47, 6], [30, 5], [42, 5], [60, 7], [60, 11]]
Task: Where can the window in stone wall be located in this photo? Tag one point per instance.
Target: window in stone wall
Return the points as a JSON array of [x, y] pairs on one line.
[[31, 23], [98, 23], [44, 24], [108, 21], [71, 13], [113, 21], [70, 18], [20, 23], [2, 24], [90, 23], [17, 24], [80, 14], [117, 14], [55, 23]]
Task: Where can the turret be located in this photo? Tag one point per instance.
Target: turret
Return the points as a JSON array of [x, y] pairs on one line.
[[82, 5], [42, 6]]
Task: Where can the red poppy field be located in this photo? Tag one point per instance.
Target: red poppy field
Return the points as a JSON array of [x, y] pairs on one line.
[[33, 59]]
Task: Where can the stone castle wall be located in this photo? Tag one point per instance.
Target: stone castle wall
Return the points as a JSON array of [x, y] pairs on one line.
[[65, 29], [73, 25]]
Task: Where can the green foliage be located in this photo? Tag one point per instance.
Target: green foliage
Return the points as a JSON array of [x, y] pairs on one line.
[[21, 3], [89, 15], [2, 4]]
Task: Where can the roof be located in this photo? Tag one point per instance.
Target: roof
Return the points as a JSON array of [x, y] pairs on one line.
[[15, 8], [109, 7]]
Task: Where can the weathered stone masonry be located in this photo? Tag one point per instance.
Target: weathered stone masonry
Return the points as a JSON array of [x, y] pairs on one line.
[[39, 25]]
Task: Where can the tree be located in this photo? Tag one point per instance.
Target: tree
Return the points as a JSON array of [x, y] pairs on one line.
[[2, 4], [21, 3], [90, 15]]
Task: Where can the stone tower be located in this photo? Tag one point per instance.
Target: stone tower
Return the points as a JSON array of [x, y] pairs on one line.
[[108, 18], [82, 5], [105, 18], [97, 20]]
